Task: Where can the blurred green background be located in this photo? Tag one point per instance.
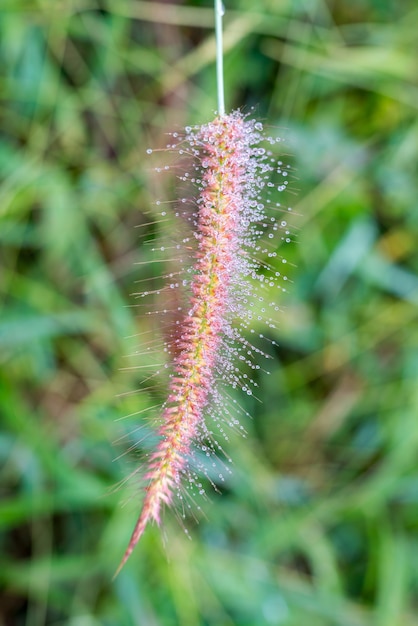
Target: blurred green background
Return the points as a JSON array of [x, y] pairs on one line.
[[317, 525]]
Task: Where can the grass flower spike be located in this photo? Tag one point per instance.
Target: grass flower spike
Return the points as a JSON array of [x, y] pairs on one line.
[[233, 168], [233, 188]]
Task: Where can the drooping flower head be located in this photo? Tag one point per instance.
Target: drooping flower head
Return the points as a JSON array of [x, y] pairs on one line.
[[227, 290]]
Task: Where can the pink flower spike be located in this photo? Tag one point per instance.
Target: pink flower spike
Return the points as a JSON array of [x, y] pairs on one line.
[[232, 175]]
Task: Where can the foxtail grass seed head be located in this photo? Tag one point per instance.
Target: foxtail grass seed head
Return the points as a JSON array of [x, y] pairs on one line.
[[232, 285]]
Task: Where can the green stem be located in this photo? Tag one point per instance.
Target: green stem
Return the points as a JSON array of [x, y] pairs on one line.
[[219, 12]]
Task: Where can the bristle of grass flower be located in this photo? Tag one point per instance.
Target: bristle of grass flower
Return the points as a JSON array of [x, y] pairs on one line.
[[230, 222]]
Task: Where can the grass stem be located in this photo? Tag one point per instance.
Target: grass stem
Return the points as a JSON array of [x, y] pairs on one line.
[[219, 13]]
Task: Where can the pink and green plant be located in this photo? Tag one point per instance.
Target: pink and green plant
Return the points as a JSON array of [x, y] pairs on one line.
[[230, 224]]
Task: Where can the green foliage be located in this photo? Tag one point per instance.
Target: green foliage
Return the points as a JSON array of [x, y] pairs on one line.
[[318, 523]]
